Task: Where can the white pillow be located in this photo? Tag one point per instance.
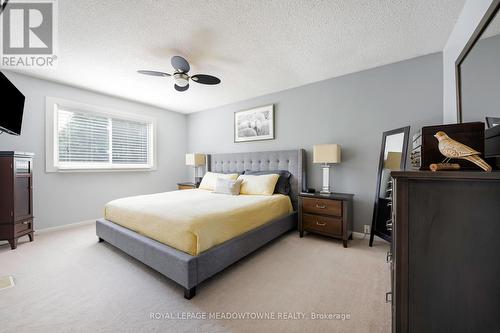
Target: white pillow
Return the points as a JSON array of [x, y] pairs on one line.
[[258, 185], [208, 181], [227, 186]]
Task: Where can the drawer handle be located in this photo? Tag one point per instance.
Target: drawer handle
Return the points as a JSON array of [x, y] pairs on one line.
[[320, 224], [388, 297], [320, 206]]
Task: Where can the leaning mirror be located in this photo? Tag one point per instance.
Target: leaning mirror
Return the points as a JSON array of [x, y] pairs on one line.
[[478, 81], [392, 158], [480, 76]]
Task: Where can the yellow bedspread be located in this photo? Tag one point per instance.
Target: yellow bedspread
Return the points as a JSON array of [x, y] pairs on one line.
[[195, 220]]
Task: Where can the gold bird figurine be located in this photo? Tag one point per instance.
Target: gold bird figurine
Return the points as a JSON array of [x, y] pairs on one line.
[[454, 149]]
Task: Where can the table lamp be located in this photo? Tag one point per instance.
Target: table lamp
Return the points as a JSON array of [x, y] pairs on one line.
[[195, 160], [326, 154]]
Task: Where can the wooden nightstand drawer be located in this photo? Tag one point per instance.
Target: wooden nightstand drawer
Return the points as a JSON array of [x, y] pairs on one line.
[[186, 186], [329, 215], [23, 227], [322, 206], [327, 225]]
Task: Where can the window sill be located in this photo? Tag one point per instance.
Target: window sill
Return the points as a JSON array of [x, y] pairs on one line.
[[81, 170]]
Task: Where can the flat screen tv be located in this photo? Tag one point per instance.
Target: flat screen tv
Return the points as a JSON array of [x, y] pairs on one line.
[[11, 107]]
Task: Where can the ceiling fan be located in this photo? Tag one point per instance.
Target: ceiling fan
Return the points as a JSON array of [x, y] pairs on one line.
[[181, 77], [3, 5]]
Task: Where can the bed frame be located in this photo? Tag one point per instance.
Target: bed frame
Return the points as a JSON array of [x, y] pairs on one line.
[[189, 271]]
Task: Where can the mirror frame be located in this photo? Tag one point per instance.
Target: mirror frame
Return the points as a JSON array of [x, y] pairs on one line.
[[385, 234], [476, 35]]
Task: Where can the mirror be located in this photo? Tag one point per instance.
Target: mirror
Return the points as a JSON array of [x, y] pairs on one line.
[[478, 72], [393, 155]]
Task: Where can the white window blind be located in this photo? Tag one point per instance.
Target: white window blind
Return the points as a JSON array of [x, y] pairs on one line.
[[88, 140], [130, 142], [82, 138]]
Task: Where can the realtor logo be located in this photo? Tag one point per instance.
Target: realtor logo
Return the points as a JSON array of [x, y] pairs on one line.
[[28, 33]]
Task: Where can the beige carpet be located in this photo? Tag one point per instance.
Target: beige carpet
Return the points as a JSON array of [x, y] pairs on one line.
[[66, 281]]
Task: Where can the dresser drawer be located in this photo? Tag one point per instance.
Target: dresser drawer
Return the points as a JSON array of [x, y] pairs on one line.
[[322, 206], [322, 224], [23, 227]]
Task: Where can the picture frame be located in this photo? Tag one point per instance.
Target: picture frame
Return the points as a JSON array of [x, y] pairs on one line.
[[255, 124]]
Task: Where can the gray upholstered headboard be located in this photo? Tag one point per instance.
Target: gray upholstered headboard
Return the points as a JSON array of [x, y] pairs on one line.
[[291, 160]]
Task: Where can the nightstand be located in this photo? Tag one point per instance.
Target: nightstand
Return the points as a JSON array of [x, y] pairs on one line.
[[326, 214], [186, 186]]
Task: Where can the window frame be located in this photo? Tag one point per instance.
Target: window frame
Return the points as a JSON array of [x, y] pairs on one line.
[[52, 164]]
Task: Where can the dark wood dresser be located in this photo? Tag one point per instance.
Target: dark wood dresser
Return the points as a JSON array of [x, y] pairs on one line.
[[329, 215], [446, 248], [16, 202]]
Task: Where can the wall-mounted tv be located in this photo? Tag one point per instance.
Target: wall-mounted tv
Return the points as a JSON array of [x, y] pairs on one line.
[[11, 107]]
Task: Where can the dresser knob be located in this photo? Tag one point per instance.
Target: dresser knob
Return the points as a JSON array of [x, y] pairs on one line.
[[320, 206], [320, 224], [388, 297]]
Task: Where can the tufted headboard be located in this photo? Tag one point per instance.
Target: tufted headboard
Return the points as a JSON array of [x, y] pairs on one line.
[[291, 160]]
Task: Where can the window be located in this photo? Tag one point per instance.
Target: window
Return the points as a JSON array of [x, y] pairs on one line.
[[89, 138]]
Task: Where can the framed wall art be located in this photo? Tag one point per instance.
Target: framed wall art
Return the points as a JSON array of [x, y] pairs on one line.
[[255, 124]]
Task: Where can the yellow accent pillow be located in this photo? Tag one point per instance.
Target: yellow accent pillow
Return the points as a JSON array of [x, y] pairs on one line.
[[258, 185], [208, 181]]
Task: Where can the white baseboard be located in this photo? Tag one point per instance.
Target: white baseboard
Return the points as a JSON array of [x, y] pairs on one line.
[[64, 227], [356, 234], [58, 228], [360, 235]]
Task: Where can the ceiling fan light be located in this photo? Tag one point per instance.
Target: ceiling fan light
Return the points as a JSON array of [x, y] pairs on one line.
[[181, 82], [181, 79]]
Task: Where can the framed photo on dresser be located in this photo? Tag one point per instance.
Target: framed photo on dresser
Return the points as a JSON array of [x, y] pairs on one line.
[[255, 124]]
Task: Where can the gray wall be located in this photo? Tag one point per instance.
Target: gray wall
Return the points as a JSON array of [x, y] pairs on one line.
[[64, 198], [352, 110], [471, 15], [481, 81]]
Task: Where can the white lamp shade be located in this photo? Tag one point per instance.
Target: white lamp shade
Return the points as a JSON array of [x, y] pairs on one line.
[[195, 159], [329, 153]]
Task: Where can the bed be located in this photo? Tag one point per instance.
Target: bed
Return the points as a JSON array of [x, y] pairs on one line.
[[198, 258]]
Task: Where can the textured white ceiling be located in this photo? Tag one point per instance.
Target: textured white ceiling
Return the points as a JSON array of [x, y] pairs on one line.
[[254, 46]]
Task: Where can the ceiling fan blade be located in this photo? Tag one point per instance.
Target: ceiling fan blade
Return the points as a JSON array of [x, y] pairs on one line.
[[205, 79], [181, 64], [179, 88], [153, 73]]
